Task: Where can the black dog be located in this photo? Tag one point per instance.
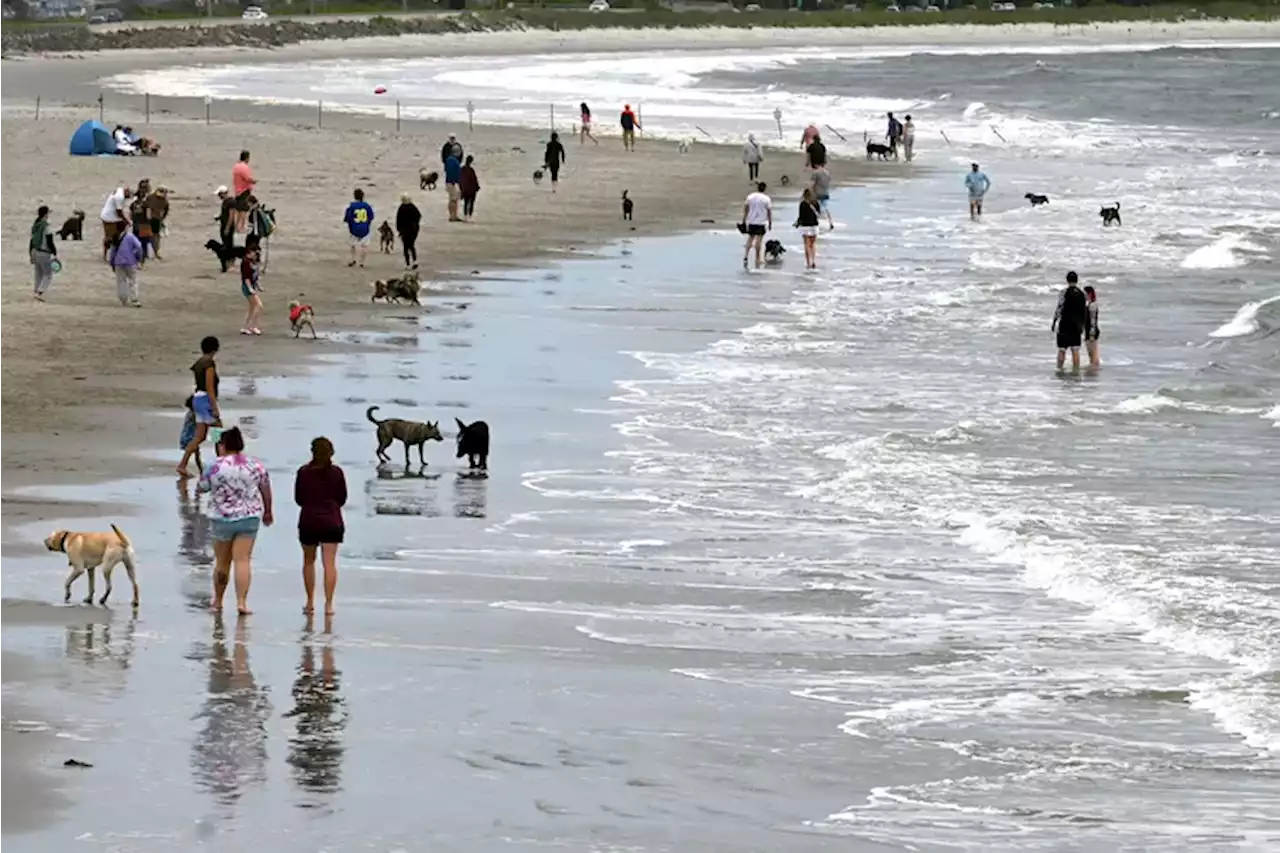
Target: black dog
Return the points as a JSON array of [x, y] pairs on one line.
[[1110, 214], [226, 254], [1036, 200], [773, 251], [875, 149], [785, 181], [427, 180], [473, 443], [386, 237], [537, 176], [73, 227], [628, 206]]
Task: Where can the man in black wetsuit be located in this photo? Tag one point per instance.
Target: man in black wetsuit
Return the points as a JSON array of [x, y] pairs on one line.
[[816, 154], [1070, 320]]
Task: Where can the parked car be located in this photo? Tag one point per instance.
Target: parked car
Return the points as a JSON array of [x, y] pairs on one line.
[[753, 7], [106, 16], [852, 7], [599, 6], [893, 8], [932, 8], [254, 13]]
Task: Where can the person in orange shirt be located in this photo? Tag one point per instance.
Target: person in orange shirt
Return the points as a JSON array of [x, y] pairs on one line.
[[242, 184]]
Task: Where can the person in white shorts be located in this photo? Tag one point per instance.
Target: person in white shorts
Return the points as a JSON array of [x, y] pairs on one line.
[[757, 221], [807, 222]]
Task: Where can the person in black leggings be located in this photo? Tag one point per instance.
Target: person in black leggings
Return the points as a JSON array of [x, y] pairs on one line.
[[408, 218]]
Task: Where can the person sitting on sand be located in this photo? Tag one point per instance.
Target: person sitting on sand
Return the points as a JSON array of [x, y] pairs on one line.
[[239, 502], [320, 491], [123, 146]]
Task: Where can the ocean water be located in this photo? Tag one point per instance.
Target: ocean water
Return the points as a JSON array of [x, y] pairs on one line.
[[838, 557]]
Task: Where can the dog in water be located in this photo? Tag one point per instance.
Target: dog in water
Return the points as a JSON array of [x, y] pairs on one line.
[[773, 251], [73, 227], [410, 433], [684, 145], [473, 443], [302, 316], [875, 149], [396, 289], [1110, 214], [427, 180], [88, 551], [537, 176], [1036, 200], [386, 237], [628, 206]]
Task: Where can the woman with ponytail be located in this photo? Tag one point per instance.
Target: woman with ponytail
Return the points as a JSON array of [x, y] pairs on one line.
[[320, 489]]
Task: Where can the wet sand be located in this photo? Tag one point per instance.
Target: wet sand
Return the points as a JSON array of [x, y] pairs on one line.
[[92, 391], [447, 667]]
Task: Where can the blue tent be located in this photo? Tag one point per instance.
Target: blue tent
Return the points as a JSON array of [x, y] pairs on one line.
[[92, 138]]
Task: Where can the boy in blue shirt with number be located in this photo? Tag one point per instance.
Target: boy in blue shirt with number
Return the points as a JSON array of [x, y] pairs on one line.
[[359, 219]]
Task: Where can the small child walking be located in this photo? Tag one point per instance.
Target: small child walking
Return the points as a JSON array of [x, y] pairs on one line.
[[189, 432]]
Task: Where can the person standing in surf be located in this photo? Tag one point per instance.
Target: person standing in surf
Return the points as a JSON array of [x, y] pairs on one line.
[[585, 133], [909, 139], [1070, 320], [629, 124], [893, 133], [757, 221], [1091, 327], [977, 183], [821, 180]]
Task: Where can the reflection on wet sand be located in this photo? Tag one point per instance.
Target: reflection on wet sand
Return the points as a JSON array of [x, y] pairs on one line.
[[194, 546], [403, 491], [320, 717], [230, 750], [471, 494], [94, 643]]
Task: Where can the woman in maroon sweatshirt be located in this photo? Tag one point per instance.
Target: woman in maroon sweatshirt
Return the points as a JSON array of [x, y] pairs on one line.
[[321, 490]]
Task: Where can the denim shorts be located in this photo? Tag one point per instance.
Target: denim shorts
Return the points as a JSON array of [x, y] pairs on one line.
[[224, 530]]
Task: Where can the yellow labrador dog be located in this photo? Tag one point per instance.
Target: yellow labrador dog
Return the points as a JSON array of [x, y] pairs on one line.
[[87, 551]]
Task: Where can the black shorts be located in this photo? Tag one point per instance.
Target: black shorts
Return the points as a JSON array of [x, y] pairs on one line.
[[757, 230], [315, 536], [1068, 338], [242, 200]]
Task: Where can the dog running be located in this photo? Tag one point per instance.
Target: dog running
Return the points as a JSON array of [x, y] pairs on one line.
[[410, 433], [628, 206], [1036, 200], [393, 290], [473, 443], [73, 227], [302, 316], [427, 180], [89, 551], [875, 149], [386, 238], [1111, 214]]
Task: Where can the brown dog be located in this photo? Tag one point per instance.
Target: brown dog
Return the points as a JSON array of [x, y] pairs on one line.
[[87, 551], [396, 289], [410, 433]]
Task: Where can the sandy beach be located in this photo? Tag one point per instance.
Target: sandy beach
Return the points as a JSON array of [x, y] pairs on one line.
[[136, 362], [84, 378]]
